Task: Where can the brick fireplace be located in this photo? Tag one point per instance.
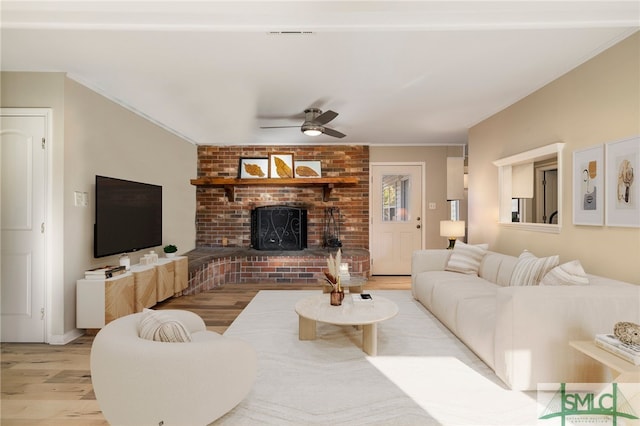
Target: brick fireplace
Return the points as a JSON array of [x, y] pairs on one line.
[[218, 218], [224, 225]]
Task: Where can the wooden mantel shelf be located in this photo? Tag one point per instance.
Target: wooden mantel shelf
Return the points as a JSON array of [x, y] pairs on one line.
[[229, 184]]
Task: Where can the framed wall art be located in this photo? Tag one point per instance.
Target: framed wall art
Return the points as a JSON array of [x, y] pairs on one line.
[[308, 169], [588, 186], [253, 168], [622, 191], [281, 165]]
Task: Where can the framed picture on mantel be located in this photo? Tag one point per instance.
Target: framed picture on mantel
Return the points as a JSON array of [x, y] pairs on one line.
[[308, 169], [253, 168], [281, 165]]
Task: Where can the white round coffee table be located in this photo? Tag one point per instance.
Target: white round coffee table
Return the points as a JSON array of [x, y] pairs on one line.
[[366, 314]]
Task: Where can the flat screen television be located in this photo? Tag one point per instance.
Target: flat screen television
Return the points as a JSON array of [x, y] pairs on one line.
[[128, 216]]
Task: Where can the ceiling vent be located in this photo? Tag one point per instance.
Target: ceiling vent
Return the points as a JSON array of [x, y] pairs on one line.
[[276, 33]]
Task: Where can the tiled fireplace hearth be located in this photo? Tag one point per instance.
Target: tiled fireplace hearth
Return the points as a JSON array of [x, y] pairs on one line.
[[213, 267], [224, 251]]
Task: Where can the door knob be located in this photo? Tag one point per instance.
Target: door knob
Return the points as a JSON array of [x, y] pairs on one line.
[[418, 226]]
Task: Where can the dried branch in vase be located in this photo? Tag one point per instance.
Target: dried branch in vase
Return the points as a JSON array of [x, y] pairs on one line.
[[334, 269]]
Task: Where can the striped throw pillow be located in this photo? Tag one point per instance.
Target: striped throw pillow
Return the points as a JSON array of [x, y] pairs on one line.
[[570, 273], [530, 269], [161, 327], [466, 258]]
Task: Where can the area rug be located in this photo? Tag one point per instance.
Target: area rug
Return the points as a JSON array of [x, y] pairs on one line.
[[422, 375]]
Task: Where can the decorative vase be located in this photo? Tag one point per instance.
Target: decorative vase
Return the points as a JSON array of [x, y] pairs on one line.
[[336, 297], [170, 255], [337, 294]]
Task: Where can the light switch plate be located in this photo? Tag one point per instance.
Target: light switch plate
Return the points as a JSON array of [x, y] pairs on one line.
[[80, 199]]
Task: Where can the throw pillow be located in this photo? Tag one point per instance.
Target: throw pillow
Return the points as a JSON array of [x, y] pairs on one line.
[[570, 273], [466, 258], [530, 269], [162, 327]]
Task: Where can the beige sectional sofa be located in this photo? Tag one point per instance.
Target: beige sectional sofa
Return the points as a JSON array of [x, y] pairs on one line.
[[523, 332]]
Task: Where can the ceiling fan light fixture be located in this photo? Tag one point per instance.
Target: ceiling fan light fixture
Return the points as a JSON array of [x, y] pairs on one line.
[[312, 130]]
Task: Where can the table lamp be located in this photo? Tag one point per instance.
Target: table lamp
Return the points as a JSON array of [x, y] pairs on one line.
[[452, 229]]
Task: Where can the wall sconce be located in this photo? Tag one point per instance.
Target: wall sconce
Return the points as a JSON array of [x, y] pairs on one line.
[[452, 229], [455, 178], [522, 181]]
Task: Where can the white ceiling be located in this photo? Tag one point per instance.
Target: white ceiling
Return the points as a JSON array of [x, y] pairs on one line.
[[398, 73]]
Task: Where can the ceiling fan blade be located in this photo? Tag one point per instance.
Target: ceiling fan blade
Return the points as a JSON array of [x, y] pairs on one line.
[[334, 133], [325, 117], [279, 127]]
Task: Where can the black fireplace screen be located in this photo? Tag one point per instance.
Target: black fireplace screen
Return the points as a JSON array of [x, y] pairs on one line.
[[278, 228]]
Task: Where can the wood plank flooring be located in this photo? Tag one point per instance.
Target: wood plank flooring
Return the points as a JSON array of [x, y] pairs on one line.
[[51, 385]]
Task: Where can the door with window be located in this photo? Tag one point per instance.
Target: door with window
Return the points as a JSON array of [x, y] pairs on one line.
[[396, 216]]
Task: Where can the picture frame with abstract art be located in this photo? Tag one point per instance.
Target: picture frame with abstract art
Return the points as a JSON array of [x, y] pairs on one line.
[[253, 168], [588, 186], [308, 169], [281, 165], [622, 185]]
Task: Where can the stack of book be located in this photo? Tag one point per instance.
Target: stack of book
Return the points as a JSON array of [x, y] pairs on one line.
[[104, 272], [629, 352]]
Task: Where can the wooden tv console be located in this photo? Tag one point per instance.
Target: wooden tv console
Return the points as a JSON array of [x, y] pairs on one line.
[[99, 302]]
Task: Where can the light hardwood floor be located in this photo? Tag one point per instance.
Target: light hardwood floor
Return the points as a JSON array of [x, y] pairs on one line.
[[51, 385]]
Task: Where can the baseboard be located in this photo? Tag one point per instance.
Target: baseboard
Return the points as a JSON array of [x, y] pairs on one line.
[[63, 339]]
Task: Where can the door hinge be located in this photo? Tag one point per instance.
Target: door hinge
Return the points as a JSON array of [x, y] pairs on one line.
[[44, 143], [41, 313], [42, 228]]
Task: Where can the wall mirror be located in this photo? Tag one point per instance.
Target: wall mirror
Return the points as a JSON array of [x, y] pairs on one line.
[[530, 189]]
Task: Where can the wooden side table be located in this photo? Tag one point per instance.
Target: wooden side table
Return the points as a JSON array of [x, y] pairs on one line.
[[622, 371]]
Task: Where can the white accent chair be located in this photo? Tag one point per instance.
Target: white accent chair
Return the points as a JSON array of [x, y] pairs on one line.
[[138, 381]]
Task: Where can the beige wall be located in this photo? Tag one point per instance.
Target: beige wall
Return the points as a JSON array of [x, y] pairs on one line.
[[93, 135], [435, 181], [596, 103]]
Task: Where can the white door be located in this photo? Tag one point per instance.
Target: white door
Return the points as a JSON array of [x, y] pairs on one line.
[[396, 217], [22, 198]]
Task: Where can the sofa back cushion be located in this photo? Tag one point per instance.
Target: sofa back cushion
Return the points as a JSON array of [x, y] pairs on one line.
[[497, 268], [609, 282]]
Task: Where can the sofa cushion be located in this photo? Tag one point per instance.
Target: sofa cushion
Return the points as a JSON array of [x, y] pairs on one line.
[[570, 273], [476, 324], [530, 269], [466, 258], [446, 296], [497, 268], [426, 281], [162, 327]]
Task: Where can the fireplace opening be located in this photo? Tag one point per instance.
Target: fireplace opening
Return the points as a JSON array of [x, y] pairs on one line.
[[278, 228]]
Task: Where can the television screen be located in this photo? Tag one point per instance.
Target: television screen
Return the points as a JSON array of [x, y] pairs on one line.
[[128, 216]]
